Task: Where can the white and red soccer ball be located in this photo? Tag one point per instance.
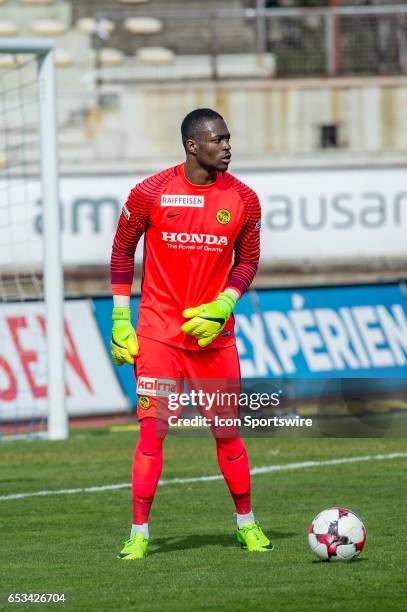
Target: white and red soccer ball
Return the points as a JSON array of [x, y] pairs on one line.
[[336, 534]]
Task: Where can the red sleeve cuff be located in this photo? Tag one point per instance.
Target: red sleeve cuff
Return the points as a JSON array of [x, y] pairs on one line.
[[121, 289]]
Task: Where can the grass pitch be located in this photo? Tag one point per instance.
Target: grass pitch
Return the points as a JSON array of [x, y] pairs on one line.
[[68, 543]]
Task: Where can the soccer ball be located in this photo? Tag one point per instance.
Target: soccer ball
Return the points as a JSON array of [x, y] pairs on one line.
[[336, 534]]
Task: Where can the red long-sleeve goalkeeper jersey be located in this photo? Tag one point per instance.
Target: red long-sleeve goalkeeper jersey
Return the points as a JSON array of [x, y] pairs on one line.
[[199, 239]]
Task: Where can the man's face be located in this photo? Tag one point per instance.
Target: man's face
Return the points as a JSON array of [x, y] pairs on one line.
[[212, 146]]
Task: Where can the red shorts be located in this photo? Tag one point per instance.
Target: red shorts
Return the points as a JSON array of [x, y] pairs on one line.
[[163, 371]]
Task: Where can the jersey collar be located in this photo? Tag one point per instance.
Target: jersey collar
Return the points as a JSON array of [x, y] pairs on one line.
[[198, 188]]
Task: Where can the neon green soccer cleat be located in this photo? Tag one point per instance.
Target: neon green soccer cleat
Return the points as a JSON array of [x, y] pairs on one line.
[[252, 538], [135, 547]]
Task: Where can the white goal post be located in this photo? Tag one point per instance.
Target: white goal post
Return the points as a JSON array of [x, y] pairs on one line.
[[43, 50]]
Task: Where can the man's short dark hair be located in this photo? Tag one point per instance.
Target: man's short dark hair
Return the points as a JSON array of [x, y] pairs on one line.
[[193, 123]]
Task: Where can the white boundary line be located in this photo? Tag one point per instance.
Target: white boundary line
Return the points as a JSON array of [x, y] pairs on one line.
[[267, 469]]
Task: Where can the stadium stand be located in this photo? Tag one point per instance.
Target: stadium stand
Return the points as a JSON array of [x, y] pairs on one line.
[[47, 27], [8, 28], [111, 57], [89, 25], [37, 2]]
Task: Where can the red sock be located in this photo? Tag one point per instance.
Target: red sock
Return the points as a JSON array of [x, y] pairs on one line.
[[234, 465], [147, 466]]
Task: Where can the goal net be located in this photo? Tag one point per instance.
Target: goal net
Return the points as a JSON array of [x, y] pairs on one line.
[[32, 391]]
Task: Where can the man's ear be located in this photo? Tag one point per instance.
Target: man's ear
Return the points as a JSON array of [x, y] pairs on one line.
[[190, 146]]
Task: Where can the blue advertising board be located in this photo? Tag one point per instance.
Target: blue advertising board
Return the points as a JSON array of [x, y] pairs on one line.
[[332, 331], [319, 333]]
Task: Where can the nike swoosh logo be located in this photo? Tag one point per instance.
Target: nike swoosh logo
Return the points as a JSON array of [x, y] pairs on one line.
[[170, 215]]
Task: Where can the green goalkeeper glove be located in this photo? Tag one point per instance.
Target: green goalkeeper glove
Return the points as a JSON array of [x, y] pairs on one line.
[[123, 344], [208, 320]]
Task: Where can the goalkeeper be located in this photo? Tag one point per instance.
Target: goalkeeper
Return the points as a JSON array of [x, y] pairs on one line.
[[201, 230]]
